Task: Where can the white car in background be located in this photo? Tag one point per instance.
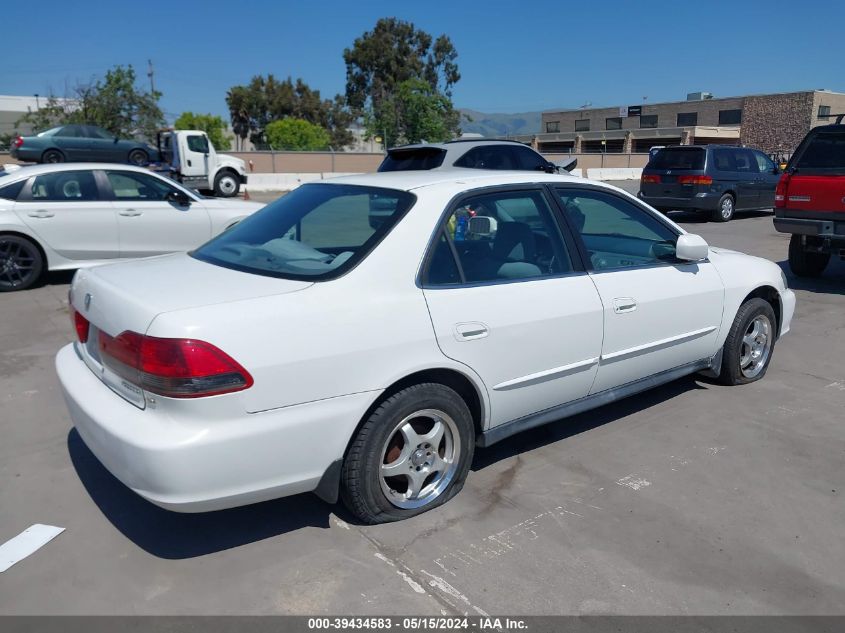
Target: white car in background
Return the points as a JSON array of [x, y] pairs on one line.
[[75, 215], [307, 350]]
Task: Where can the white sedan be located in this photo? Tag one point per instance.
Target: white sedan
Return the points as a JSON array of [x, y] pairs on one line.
[[312, 348], [67, 216]]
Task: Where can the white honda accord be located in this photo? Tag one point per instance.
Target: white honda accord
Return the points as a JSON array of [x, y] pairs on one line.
[[326, 345], [67, 216]]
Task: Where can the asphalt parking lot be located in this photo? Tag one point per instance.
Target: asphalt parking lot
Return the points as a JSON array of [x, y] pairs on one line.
[[690, 499]]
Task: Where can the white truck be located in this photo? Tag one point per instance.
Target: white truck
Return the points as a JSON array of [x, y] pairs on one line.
[[189, 157]]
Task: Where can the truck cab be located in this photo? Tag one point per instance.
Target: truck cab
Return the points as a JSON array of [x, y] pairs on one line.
[[191, 159]]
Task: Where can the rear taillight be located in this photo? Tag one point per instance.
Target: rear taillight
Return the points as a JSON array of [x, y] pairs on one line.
[[780, 190], [173, 367], [650, 179], [695, 180], [80, 324], [18, 141]]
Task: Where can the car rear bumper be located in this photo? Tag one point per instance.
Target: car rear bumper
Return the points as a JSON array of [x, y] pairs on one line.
[[195, 465], [705, 201], [833, 227]]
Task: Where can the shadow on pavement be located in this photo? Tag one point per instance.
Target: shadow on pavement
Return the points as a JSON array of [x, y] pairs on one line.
[[569, 427], [173, 535], [831, 282]]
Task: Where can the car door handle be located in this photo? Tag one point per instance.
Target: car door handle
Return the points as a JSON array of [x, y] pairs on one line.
[[624, 304], [130, 213], [41, 213], [470, 331]]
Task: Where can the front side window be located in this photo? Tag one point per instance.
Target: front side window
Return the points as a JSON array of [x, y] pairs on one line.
[[648, 120], [528, 159], [582, 125], [613, 123], [318, 231], [617, 233], [489, 157], [198, 143], [764, 163], [501, 236], [730, 117], [65, 186], [128, 185]]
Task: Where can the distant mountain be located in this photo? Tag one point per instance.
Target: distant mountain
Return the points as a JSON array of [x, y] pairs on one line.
[[492, 124]]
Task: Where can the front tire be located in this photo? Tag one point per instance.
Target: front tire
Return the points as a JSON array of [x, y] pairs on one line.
[[21, 263], [412, 454], [52, 156], [138, 157], [804, 263], [750, 343], [724, 209], [226, 185]]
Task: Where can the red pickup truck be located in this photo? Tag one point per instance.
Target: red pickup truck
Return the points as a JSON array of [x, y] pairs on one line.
[[810, 200]]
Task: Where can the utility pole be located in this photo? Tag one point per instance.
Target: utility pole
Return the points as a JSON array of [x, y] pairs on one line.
[[150, 73]]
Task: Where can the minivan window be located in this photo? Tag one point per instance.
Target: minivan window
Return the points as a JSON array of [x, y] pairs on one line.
[[318, 231], [678, 158], [417, 159], [823, 153]]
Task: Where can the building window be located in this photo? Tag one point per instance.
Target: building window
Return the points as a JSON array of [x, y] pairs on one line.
[[613, 123], [824, 112], [730, 117], [686, 119], [648, 120], [582, 125], [552, 126]]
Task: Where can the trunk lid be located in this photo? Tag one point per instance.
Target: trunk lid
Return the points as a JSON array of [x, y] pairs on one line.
[[127, 296]]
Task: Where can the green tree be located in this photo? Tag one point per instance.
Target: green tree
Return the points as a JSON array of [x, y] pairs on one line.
[[392, 53], [296, 134], [265, 99], [211, 124], [113, 102], [416, 112]]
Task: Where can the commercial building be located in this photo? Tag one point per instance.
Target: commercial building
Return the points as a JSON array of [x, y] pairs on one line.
[[770, 122]]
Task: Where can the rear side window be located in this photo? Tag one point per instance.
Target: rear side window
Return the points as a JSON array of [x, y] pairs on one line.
[[678, 158], [528, 159], [65, 186], [10, 192], [318, 231], [489, 157], [824, 153], [418, 159]]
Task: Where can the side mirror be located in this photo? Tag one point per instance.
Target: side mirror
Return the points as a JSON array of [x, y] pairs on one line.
[[691, 248], [178, 197]]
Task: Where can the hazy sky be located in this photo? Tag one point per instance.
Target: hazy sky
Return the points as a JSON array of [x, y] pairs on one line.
[[513, 56]]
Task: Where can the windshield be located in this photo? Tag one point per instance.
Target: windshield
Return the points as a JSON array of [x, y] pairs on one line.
[[417, 159], [51, 132], [318, 231], [678, 158]]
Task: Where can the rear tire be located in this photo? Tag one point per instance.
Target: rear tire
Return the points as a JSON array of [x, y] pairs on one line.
[[750, 343], [21, 263], [226, 185], [724, 211], [138, 157], [52, 156], [804, 263], [412, 454]]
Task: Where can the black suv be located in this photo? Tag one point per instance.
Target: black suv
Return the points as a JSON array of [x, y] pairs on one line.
[[718, 179]]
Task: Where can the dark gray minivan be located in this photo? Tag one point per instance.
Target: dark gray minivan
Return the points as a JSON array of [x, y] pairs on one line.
[[718, 179]]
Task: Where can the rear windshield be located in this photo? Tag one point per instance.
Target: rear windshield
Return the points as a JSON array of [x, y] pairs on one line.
[[823, 153], [678, 158], [417, 159], [318, 231]]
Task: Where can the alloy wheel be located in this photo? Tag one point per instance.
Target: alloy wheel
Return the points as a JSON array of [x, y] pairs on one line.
[[17, 263], [419, 458], [756, 346]]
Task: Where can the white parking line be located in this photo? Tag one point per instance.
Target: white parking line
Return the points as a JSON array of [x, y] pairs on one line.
[[27, 542]]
